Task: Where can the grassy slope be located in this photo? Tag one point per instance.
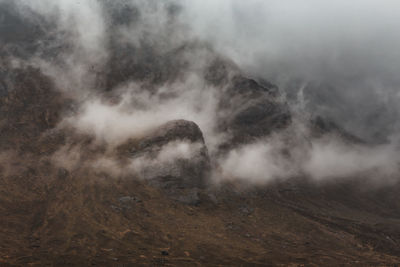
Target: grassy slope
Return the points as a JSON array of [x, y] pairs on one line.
[[49, 217]]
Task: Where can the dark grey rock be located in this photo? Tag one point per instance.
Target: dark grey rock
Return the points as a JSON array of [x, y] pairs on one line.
[[172, 131], [190, 197], [115, 208], [127, 202], [217, 73], [164, 253], [179, 177], [251, 110], [129, 199], [246, 210]]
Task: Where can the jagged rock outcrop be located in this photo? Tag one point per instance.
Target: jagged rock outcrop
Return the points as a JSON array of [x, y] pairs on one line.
[[322, 126], [251, 110], [248, 108], [172, 157], [173, 131]]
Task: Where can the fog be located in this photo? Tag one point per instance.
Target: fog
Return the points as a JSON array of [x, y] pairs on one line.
[[336, 59], [139, 112], [345, 53], [329, 159]]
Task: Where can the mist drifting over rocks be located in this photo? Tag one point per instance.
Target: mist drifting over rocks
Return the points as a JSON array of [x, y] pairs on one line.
[[277, 90]]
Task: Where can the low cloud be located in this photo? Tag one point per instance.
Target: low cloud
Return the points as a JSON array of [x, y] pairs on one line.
[[332, 158], [344, 54], [143, 166], [257, 163], [324, 159], [338, 59], [138, 111]]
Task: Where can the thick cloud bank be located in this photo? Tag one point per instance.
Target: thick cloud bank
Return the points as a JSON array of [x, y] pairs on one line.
[[344, 54], [133, 65]]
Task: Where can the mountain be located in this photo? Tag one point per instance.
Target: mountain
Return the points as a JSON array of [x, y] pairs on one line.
[[149, 191]]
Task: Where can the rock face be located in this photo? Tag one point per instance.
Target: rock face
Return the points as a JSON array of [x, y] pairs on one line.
[[172, 131], [20, 35], [322, 126], [29, 105], [173, 157], [257, 110]]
